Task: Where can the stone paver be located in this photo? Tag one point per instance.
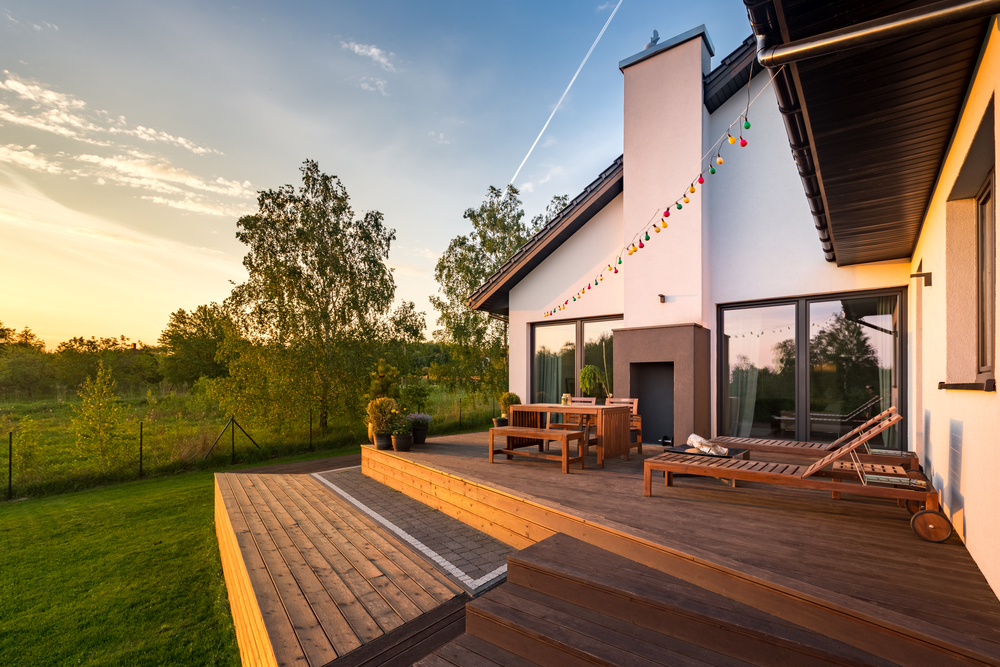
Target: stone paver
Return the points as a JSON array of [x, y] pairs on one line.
[[474, 553]]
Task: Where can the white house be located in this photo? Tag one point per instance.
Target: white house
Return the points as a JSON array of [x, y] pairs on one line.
[[780, 300]]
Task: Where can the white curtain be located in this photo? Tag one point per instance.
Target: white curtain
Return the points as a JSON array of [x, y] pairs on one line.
[[885, 347]]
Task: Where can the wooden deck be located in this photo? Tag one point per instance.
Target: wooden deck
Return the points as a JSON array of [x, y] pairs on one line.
[[313, 582], [850, 569]]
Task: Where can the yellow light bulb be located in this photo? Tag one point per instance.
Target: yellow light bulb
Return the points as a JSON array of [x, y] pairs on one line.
[[663, 223], [691, 188], [732, 139], [686, 200], [656, 229]]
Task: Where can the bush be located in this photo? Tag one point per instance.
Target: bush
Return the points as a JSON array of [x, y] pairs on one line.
[[414, 394], [508, 399], [380, 412]]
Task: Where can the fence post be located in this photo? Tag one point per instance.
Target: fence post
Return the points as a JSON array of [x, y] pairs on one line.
[[10, 465], [140, 450], [232, 434], [460, 412], [310, 429]]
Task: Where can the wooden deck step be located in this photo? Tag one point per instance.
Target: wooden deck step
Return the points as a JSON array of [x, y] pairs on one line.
[[314, 582], [581, 574]]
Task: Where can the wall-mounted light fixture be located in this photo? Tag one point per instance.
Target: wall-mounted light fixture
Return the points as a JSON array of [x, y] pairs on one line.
[[925, 276], [663, 298]]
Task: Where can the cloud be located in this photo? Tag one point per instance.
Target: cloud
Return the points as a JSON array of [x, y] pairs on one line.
[[527, 187], [24, 157], [190, 204], [406, 269], [372, 84], [549, 141], [380, 57], [32, 105], [145, 172], [438, 138], [606, 5]]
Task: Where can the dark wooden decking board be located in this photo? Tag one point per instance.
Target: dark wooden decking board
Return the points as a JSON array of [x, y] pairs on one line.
[[322, 584], [852, 549]]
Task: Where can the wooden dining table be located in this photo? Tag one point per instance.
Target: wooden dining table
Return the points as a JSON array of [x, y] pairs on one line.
[[611, 424]]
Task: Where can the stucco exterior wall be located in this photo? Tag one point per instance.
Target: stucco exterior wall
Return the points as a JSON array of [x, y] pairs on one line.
[[956, 431], [664, 115], [557, 279]]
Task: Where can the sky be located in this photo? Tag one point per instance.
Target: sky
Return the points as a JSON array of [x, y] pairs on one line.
[[133, 135]]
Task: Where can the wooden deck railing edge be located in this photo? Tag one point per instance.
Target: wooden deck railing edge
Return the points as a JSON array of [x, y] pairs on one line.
[[251, 633]]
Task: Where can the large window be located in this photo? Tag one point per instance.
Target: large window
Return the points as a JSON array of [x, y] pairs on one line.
[[560, 351], [985, 278], [810, 368]]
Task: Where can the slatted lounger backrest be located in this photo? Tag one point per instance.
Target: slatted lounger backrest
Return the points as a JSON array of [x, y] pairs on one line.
[[854, 444], [871, 422]]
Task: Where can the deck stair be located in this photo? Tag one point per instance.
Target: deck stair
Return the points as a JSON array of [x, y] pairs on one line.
[[567, 602], [313, 582]]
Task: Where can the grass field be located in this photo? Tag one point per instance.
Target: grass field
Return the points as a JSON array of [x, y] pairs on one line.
[[120, 575], [178, 430]]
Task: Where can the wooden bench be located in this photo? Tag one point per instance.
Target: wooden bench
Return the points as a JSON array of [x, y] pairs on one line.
[[526, 436]]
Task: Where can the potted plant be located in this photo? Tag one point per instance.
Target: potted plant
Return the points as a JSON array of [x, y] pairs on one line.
[[419, 423], [592, 383], [402, 438], [506, 400], [380, 412]]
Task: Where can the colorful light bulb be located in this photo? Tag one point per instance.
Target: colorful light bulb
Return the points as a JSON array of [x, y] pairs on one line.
[[679, 206], [657, 229], [647, 236], [616, 269], [574, 298], [601, 278], [666, 214], [718, 158], [663, 223], [701, 179], [588, 285], [630, 250], [711, 170], [731, 138], [746, 123], [691, 189], [619, 260], [743, 142], [686, 200], [641, 245]]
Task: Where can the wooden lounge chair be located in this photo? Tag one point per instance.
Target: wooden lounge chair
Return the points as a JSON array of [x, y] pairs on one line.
[[929, 524], [907, 460]]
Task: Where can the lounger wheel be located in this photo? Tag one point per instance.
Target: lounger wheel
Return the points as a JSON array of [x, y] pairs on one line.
[[914, 506], [931, 526]]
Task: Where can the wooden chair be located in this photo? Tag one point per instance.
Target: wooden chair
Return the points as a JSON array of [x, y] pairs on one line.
[[635, 424], [929, 524], [820, 449], [575, 422]]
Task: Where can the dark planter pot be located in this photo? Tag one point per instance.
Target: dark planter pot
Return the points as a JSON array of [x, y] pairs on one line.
[[419, 435], [402, 443], [383, 441], [499, 421]]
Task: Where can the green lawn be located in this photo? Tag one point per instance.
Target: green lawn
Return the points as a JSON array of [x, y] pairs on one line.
[[119, 575]]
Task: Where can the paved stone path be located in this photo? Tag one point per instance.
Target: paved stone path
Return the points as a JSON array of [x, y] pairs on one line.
[[471, 558]]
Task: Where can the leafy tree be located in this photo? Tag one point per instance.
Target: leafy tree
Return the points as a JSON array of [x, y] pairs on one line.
[[316, 303], [100, 422], [26, 368], [78, 359], [28, 457], [190, 342], [844, 365], [477, 343]]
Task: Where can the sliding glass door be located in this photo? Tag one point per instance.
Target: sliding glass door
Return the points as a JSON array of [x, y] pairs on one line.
[[811, 368], [554, 362], [559, 353]]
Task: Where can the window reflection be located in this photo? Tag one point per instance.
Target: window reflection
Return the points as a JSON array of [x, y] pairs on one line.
[[554, 362], [852, 366], [599, 352], [759, 350]]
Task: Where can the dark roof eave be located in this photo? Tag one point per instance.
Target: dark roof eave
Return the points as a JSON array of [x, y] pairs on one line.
[[493, 295]]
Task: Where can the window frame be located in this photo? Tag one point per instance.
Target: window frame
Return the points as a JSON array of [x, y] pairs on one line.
[[579, 353], [986, 298], [802, 334]]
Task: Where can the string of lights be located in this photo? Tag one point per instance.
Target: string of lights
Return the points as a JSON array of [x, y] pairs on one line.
[[641, 237]]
